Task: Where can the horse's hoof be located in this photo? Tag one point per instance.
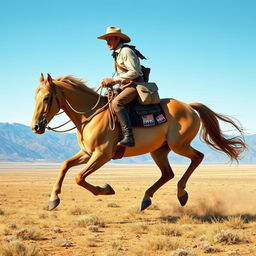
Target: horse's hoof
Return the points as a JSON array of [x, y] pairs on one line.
[[109, 189], [145, 204], [53, 204], [183, 199]]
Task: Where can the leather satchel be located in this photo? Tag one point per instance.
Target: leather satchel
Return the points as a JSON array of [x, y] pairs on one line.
[[148, 93]]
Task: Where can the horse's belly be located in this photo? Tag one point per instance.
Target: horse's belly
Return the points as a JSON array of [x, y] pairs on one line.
[[147, 140]]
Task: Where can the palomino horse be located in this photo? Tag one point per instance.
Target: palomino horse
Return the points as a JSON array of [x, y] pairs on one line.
[[98, 142]]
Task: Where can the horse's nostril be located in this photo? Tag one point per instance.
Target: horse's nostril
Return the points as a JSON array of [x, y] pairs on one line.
[[36, 127]]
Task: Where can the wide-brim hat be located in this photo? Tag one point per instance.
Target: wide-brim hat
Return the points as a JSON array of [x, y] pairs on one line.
[[115, 31]]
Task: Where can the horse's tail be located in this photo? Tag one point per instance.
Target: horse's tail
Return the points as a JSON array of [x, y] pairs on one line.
[[213, 136]]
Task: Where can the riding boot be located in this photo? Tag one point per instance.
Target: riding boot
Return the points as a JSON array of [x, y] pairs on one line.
[[125, 122]]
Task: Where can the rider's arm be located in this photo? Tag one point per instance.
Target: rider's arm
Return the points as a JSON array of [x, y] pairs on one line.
[[128, 60]]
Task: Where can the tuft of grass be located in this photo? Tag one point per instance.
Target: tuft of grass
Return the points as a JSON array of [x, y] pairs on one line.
[[7, 232], [161, 243], [16, 248], [206, 247], [182, 252], [235, 222], [93, 228], [117, 246], [57, 230], [88, 220], [12, 225], [187, 219], [63, 243], [168, 229], [78, 211], [139, 228], [28, 234], [1, 212], [113, 205], [227, 237]]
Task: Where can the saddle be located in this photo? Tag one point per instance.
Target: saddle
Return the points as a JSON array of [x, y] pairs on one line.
[[145, 115], [142, 115]]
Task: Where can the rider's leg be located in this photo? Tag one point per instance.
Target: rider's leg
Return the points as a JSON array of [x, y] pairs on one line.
[[126, 96]]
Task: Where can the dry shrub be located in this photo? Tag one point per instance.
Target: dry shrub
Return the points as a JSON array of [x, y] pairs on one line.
[[1, 212], [140, 228], [232, 253], [227, 237], [117, 246], [235, 222], [160, 243], [12, 225], [16, 248], [78, 211], [206, 247], [57, 230], [93, 228], [113, 205], [28, 234], [7, 232], [187, 219], [182, 252], [168, 229], [88, 220], [63, 243]]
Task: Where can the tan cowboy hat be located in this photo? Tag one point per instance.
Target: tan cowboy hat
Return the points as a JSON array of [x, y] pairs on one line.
[[115, 31]]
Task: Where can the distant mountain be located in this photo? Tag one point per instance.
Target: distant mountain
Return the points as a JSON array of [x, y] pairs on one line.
[[19, 143]]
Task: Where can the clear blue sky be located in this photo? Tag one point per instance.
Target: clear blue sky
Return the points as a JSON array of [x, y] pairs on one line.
[[199, 50]]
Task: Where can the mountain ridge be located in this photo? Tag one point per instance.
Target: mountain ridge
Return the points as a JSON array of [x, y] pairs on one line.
[[19, 143]]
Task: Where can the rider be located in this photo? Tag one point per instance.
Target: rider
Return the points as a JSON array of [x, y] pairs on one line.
[[128, 71]]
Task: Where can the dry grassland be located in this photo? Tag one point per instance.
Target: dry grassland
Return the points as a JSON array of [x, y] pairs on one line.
[[219, 219]]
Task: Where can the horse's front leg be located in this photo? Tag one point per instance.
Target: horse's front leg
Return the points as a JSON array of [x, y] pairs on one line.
[[80, 158], [97, 160]]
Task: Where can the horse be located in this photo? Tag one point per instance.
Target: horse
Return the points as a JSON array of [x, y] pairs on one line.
[[98, 140]]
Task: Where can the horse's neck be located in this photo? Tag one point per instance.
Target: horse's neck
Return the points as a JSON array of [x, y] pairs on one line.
[[79, 104]]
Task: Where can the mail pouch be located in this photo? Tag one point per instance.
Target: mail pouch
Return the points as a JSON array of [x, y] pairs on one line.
[[148, 93]]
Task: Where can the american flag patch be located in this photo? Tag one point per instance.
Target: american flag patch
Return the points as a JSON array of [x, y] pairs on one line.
[[160, 118], [148, 120]]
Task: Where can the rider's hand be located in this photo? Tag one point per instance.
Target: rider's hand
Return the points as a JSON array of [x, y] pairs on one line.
[[107, 82]]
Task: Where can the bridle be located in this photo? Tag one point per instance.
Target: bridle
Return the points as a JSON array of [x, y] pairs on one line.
[[110, 98]]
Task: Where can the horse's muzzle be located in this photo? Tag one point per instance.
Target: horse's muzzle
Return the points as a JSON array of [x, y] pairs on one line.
[[39, 126]]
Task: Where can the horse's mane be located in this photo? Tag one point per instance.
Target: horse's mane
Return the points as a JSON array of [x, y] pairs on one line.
[[77, 82], [72, 80]]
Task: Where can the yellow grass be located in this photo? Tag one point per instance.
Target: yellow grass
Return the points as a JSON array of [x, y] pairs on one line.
[[219, 218]]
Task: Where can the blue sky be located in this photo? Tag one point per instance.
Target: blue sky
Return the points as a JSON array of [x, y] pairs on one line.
[[198, 50]]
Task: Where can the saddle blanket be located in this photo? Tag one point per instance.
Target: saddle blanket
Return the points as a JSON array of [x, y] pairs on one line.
[[146, 115]]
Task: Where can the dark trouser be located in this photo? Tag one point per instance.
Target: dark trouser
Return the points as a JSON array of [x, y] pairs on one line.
[[126, 96]]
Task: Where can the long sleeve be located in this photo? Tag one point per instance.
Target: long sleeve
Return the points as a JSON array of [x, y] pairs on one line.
[[128, 60]]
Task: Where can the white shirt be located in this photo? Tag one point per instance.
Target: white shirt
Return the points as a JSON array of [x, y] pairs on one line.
[[128, 60]]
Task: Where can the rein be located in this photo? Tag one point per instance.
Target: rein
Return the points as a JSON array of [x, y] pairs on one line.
[[111, 122]]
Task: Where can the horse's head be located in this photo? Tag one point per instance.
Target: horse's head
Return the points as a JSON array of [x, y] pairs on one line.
[[47, 104]]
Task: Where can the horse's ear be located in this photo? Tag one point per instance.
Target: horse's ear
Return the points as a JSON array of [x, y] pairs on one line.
[[41, 78], [49, 79]]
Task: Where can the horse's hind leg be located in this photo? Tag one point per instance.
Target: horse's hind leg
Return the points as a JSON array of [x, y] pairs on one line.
[[160, 158], [80, 158], [196, 158]]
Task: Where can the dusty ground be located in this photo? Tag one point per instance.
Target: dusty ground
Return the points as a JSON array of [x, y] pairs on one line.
[[219, 219]]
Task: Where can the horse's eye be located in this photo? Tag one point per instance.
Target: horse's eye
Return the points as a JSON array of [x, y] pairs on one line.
[[46, 99]]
